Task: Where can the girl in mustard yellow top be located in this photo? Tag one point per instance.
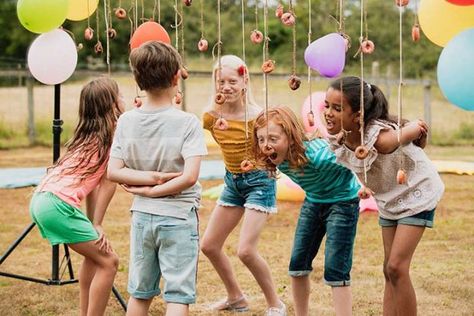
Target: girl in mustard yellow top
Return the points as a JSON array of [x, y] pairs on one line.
[[248, 192]]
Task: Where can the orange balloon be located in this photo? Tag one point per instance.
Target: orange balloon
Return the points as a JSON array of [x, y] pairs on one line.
[[149, 31]]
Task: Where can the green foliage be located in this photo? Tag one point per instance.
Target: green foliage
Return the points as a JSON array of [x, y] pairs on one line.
[[382, 21], [466, 131]]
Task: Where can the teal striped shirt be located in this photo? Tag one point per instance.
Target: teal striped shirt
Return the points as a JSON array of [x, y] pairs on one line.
[[323, 180]]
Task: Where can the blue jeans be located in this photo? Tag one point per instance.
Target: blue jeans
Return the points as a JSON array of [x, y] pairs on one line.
[[423, 219], [253, 190], [338, 221], [163, 246]]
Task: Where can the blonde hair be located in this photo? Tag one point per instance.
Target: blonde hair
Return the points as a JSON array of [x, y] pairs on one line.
[[232, 62], [292, 127]]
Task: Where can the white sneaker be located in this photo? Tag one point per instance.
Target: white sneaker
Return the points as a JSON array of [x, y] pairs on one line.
[[276, 311]]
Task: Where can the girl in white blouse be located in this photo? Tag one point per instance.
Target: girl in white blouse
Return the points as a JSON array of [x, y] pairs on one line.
[[391, 165]]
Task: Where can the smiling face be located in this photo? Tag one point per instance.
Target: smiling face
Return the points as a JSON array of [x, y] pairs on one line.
[[334, 110], [231, 84], [273, 142]]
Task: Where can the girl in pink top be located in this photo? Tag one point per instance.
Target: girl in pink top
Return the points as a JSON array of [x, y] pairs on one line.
[[80, 174]]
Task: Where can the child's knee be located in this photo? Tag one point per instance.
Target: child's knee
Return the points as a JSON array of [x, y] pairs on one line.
[[246, 254]]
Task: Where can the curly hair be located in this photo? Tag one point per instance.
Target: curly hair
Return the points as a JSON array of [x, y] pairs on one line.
[[292, 127]]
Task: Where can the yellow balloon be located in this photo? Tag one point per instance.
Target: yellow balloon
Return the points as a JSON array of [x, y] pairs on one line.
[[441, 20], [81, 9]]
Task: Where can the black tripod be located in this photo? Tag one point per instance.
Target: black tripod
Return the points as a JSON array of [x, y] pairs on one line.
[[55, 277]]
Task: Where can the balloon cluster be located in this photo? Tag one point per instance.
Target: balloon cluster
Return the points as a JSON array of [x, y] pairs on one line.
[[52, 57], [450, 24]]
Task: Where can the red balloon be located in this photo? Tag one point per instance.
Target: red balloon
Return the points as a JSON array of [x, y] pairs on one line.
[[461, 2], [149, 31]]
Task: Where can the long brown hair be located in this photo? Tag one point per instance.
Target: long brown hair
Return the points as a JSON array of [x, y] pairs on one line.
[[98, 114], [293, 129]]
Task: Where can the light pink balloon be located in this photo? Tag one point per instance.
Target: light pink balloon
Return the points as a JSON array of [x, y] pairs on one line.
[[368, 205], [52, 57], [317, 99]]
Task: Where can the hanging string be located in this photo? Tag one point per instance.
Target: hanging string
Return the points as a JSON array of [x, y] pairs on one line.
[[97, 24], [88, 15], [400, 83], [309, 68], [363, 14], [265, 56], [293, 66], [219, 44], [136, 14], [176, 24], [202, 20], [245, 74], [182, 33], [106, 18], [256, 15], [341, 30]]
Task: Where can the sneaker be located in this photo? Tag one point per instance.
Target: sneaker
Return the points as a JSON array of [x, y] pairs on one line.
[[276, 311], [238, 305]]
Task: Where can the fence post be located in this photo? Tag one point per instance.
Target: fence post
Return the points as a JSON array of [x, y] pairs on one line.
[[427, 105], [31, 112]]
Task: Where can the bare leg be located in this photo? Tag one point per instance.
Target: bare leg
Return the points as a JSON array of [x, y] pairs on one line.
[[223, 220], [301, 289], [174, 309], [252, 225], [138, 307], [398, 267], [342, 298], [86, 274], [105, 269], [389, 306]]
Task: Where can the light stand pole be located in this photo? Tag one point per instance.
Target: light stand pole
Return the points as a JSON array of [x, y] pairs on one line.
[[55, 277]]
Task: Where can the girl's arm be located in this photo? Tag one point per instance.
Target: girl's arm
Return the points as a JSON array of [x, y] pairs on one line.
[[176, 185], [118, 172], [97, 202], [387, 141]]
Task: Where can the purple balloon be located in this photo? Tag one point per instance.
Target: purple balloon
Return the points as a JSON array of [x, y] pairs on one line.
[[327, 55]]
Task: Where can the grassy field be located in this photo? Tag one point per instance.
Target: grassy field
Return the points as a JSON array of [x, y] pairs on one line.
[[441, 269], [450, 125]]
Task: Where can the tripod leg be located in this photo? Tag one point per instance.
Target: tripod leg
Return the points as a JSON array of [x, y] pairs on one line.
[[119, 298], [69, 263], [16, 242]]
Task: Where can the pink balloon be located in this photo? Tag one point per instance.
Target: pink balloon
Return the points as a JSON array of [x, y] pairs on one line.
[[368, 205], [461, 2], [327, 55], [317, 100]]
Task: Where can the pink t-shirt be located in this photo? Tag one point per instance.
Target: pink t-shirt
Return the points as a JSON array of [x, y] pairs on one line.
[[67, 186]]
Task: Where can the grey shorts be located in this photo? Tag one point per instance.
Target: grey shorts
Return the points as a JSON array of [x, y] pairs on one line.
[[168, 247]]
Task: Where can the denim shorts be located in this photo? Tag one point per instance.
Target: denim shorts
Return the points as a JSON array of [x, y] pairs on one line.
[[252, 190], [338, 221], [168, 247], [423, 219]]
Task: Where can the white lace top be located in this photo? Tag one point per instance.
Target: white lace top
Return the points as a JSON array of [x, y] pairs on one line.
[[423, 188]]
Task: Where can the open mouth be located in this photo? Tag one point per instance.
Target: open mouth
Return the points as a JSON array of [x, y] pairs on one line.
[[273, 156], [329, 124]]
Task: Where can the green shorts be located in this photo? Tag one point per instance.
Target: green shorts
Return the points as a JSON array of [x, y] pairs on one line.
[[60, 222]]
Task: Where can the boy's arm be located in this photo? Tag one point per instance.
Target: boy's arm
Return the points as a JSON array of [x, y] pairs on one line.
[[387, 141], [176, 185], [118, 172]]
